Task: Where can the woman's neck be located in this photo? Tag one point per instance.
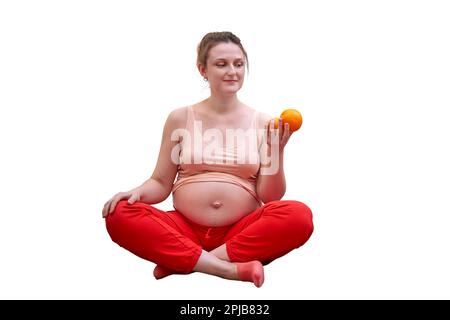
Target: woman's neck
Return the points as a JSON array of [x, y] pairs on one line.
[[223, 105]]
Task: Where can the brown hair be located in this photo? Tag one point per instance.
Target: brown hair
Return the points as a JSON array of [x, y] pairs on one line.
[[212, 39]]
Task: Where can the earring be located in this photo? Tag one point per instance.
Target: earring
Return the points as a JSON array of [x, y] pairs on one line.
[[205, 79]]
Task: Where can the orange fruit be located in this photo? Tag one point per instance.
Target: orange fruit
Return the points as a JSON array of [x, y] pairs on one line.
[[291, 116]]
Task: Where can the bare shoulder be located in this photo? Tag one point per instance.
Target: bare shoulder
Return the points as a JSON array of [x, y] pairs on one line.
[[263, 119], [177, 118]]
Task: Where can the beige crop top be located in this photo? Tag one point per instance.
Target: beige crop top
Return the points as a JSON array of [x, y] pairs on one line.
[[210, 155]]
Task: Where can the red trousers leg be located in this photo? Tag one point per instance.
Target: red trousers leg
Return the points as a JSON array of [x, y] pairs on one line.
[[164, 238], [270, 232]]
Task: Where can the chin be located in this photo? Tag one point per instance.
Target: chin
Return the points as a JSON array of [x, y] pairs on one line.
[[229, 92], [233, 89]]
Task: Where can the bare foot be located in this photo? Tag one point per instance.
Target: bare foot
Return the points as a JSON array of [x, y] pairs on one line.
[[251, 271]]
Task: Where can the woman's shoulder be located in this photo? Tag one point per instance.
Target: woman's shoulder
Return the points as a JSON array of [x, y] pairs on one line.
[[177, 118], [263, 119]]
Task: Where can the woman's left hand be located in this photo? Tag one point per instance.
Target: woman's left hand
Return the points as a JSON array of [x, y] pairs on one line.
[[277, 137]]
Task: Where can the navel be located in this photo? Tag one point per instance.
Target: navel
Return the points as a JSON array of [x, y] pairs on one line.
[[217, 204]]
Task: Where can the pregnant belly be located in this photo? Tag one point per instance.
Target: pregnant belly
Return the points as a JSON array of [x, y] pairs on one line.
[[214, 203]]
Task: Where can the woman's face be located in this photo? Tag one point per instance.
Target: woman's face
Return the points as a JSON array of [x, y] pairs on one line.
[[225, 68]]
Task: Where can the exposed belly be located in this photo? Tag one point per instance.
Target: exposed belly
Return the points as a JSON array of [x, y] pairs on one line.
[[214, 203]]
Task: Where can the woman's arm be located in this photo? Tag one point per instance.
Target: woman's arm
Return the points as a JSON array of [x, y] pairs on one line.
[[152, 191], [158, 187], [271, 182], [271, 185]]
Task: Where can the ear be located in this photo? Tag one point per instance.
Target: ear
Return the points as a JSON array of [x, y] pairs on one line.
[[201, 68]]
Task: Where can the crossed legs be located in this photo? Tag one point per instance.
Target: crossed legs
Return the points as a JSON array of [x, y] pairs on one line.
[[217, 262], [166, 239]]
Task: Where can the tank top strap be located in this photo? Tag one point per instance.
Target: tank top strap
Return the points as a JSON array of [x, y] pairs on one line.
[[254, 127], [190, 118], [254, 123], [259, 132]]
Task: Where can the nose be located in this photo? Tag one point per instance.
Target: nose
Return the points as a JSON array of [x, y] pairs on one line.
[[231, 70]]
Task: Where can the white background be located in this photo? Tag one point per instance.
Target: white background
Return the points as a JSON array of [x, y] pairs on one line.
[[85, 88]]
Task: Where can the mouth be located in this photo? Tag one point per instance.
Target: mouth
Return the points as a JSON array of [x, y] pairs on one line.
[[230, 81]]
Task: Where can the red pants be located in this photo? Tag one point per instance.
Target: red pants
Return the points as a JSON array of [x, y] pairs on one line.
[[170, 240]]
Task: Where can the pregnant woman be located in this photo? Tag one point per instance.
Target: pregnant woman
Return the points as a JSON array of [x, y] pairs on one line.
[[223, 163]]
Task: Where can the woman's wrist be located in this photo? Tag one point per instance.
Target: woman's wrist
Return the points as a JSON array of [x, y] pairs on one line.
[[137, 190], [279, 153]]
